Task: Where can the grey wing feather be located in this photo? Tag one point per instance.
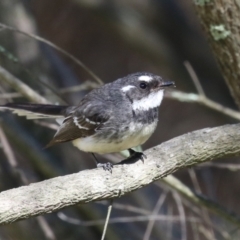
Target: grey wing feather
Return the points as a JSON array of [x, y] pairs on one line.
[[81, 122]]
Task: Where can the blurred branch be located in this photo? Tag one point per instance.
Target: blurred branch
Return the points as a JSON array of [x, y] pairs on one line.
[[107, 219], [221, 20], [203, 100], [21, 87], [170, 218], [87, 85], [95, 185], [132, 27], [229, 166], [16, 170], [204, 214], [201, 200], [10, 95], [65, 53], [194, 78], [155, 212], [182, 215]]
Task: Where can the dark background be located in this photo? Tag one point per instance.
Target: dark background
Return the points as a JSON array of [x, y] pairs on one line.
[[114, 38]]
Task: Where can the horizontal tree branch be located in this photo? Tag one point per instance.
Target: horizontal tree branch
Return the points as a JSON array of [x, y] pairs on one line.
[[97, 184]]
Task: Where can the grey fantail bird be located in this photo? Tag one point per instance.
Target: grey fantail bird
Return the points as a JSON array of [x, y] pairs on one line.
[[116, 116]]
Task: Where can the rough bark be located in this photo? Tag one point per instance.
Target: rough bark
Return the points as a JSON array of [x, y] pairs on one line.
[[221, 22], [97, 184]]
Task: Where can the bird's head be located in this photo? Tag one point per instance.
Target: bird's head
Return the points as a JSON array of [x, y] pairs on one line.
[[144, 90]]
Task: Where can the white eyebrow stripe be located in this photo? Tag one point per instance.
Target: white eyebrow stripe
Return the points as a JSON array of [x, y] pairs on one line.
[[145, 78], [127, 88]]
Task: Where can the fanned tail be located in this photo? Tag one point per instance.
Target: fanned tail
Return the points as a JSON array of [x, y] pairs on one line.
[[35, 111]]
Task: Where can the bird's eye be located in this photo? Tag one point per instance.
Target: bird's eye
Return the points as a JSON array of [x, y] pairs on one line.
[[143, 85]]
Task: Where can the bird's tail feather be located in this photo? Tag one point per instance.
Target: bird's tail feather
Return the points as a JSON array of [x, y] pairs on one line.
[[35, 111]]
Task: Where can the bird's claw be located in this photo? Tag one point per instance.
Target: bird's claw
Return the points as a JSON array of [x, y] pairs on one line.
[[138, 155], [106, 166], [134, 156], [142, 157]]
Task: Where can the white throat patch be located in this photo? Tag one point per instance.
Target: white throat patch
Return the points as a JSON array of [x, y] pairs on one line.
[[153, 100]]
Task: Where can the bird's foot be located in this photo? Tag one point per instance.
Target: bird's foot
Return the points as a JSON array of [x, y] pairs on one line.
[[106, 166], [134, 156]]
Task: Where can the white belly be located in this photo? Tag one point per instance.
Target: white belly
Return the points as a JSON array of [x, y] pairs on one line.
[[137, 135]]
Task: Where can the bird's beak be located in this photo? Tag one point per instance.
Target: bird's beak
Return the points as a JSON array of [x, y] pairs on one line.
[[167, 84]]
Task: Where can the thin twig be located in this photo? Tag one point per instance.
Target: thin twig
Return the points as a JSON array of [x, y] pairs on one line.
[[169, 229], [10, 95], [46, 228], [194, 77], [182, 214], [195, 98], [77, 61], [87, 85], [194, 180], [155, 211], [206, 233], [127, 207], [11, 158], [21, 87], [229, 166], [195, 209], [205, 214], [170, 218], [107, 219], [7, 149], [198, 199]]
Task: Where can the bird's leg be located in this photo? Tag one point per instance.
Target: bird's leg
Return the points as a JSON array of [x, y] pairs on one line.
[[134, 156], [106, 166]]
